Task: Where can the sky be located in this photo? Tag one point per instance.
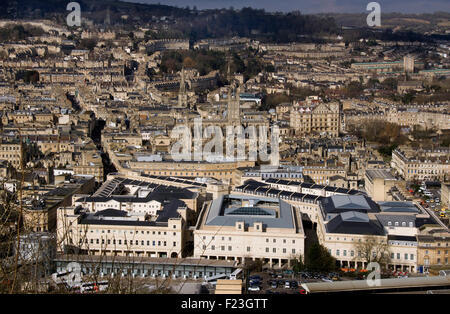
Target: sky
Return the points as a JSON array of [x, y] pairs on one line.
[[314, 6]]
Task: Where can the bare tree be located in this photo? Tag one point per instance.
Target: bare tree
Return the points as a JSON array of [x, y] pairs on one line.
[[372, 249]]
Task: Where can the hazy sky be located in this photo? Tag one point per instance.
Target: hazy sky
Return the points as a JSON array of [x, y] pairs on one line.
[[315, 6]]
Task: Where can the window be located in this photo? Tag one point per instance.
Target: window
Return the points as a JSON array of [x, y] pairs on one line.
[[406, 256], [411, 257], [248, 249], [398, 255], [274, 250], [337, 253], [267, 250], [284, 250], [293, 251]]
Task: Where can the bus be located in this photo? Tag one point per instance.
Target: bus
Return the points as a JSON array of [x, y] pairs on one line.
[[213, 279], [233, 275], [94, 287]]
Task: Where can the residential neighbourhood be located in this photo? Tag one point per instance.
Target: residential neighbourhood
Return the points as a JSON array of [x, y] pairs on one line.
[[143, 147]]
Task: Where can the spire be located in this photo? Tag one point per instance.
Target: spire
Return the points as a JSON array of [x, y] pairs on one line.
[[108, 17]]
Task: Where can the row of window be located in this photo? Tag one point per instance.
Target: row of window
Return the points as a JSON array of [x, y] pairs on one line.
[[275, 241], [125, 242], [230, 248], [438, 252], [411, 256], [131, 232], [397, 224]]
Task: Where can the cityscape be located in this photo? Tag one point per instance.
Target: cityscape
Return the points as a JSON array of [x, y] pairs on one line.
[[151, 148]]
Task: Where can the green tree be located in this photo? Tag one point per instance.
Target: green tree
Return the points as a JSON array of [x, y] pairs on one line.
[[297, 264], [319, 259]]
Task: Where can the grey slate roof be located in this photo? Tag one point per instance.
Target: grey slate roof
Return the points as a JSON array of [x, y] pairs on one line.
[[218, 215]]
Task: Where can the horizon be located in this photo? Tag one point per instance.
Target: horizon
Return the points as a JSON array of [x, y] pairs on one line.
[[318, 6]]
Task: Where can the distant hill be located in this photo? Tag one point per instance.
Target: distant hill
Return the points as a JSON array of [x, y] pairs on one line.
[[36, 9], [439, 21], [219, 23]]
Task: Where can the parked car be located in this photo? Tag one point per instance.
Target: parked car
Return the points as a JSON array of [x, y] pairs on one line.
[[294, 284], [287, 285], [253, 288], [274, 284], [254, 282]]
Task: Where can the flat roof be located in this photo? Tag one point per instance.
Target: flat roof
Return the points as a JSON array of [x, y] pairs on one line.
[[219, 215], [144, 260], [358, 285], [380, 173]]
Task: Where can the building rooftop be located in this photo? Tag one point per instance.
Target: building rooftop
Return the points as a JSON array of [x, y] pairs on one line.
[[380, 173], [271, 212]]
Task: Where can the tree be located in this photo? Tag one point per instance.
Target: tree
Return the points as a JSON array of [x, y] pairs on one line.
[[297, 264], [319, 259], [372, 249]]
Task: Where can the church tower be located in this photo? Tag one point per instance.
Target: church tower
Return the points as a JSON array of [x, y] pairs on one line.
[[182, 96], [234, 107]]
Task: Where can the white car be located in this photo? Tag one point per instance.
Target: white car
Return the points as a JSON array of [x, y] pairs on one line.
[[253, 288]]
